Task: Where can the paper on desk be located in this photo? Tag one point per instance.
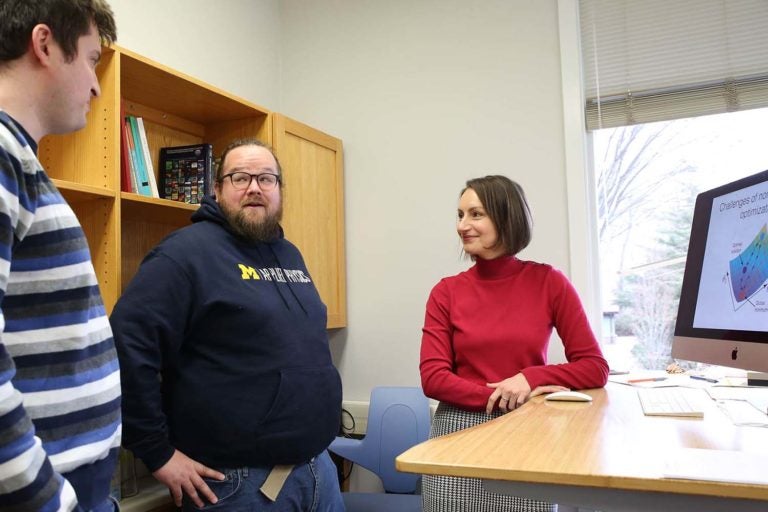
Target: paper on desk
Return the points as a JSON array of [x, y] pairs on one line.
[[758, 397], [643, 380], [734, 381], [646, 379], [755, 395], [743, 413], [717, 465]]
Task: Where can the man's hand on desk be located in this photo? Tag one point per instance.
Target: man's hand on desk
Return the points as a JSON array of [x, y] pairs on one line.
[[183, 475]]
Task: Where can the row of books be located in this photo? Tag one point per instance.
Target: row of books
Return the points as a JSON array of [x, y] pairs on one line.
[[138, 173], [185, 173]]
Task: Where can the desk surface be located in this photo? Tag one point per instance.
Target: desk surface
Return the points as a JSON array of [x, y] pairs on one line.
[[606, 443]]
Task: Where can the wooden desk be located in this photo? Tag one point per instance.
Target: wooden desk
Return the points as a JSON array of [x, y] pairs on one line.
[[603, 454]]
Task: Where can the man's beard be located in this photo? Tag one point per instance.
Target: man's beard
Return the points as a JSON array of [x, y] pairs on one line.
[[266, 229]]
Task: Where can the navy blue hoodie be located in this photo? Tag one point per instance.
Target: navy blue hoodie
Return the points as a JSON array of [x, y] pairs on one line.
[[236, 332]]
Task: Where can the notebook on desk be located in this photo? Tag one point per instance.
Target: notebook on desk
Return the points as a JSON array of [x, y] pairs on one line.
[[717, 465]]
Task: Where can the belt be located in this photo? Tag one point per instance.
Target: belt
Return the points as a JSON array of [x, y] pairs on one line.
[[275, 481]]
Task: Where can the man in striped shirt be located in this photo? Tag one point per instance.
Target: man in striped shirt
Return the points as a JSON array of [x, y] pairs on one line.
[[59, 379]]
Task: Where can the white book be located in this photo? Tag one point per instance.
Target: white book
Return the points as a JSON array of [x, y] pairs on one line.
[[147, 157]]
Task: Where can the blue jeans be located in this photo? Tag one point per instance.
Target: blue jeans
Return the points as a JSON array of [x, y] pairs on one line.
[[311, 487]]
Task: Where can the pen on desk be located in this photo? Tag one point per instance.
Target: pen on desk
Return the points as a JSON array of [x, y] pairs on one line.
[[650, 379], [707, 379]]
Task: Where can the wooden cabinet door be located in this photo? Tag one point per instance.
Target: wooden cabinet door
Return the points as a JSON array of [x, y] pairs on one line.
[[313, 207]]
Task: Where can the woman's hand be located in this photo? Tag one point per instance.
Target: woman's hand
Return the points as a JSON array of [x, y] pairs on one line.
[[550, 388], [513, 392], [510, 393]]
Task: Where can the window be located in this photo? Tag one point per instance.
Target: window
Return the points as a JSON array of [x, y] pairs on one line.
[[647, 177], [676, 95]]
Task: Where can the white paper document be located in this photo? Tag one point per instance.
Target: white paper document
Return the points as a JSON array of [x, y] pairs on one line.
[[743, 413], [754, 395], [717, 465]]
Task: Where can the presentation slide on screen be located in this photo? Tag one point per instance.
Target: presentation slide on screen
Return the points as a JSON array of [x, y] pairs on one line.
[[733, 292]]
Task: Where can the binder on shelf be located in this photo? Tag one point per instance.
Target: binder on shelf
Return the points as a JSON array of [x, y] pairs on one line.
[[142, 178], [186, 172], [147, 157]]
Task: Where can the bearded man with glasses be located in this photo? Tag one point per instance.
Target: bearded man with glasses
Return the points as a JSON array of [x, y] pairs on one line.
[[230, 396]]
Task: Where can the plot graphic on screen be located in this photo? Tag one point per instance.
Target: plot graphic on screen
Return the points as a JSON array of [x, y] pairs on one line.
[[749, 270]]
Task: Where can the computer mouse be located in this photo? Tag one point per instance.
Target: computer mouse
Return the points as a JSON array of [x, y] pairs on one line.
[[568, 396]]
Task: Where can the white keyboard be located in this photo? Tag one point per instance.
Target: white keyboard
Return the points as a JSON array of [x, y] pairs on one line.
[[671, 402]]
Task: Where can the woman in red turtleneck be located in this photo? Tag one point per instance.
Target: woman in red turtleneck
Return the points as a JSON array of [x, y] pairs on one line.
[[486, 332]]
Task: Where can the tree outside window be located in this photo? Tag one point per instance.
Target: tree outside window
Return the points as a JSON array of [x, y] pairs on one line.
[[647, 177]]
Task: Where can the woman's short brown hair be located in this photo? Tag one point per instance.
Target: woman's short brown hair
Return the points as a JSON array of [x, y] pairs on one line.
[[504, 202]]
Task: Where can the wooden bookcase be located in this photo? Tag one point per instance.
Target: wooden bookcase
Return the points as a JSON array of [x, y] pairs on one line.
[[178, 109], [313, 216]]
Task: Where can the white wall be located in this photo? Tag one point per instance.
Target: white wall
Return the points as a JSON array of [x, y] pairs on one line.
[[425, 94], [232, 44]]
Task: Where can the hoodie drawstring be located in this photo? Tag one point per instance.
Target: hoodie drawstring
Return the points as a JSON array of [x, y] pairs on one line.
[[290, 288], [279, 291]]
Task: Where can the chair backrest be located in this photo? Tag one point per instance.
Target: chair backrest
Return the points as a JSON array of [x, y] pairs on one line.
[[398, 418]]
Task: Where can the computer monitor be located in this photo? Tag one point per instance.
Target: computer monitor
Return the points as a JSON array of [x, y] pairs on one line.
[[722, 318]]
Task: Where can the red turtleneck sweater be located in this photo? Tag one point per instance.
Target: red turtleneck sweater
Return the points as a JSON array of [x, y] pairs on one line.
[[495, 320]]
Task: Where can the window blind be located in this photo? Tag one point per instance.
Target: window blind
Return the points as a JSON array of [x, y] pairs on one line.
[[655, 60]]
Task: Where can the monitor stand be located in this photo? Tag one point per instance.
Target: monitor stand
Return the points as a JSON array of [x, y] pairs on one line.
[[757, 379]]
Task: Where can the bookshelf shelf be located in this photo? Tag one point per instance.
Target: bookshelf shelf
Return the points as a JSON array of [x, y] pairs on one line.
[[151, 209], [156, 86], [78, 192]]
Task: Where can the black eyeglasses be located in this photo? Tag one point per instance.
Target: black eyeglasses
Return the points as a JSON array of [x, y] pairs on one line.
[[242, 180]]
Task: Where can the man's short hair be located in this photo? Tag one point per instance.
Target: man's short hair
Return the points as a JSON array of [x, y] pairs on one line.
[[246, 142], [68, 20]]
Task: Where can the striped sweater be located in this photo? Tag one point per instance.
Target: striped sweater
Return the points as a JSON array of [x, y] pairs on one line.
[[59, 377]]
